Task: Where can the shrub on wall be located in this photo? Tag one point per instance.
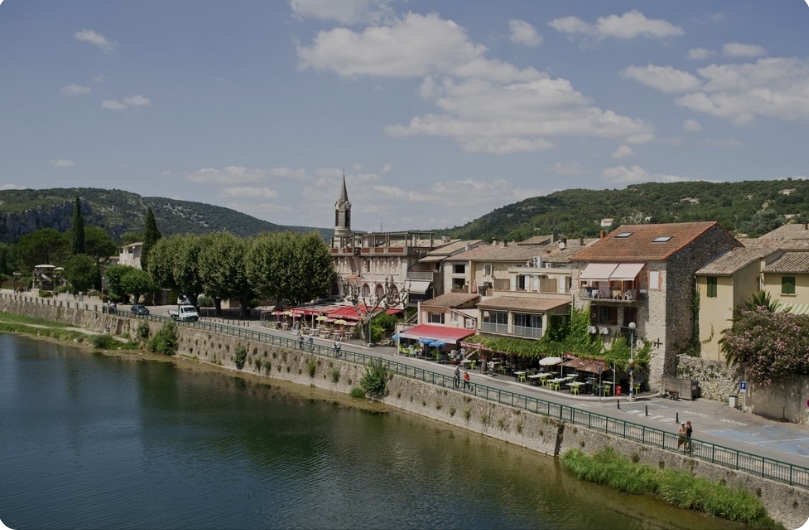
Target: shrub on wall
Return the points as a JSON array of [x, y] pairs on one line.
[[241, 356], [375, 379], [165, 340]]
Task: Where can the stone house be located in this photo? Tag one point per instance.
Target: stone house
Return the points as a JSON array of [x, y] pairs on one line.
[[129, 255], [645, 274]]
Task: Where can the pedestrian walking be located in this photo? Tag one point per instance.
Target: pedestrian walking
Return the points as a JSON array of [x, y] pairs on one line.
[[688, 430], [681, 436], [310, 341], [337, 347], [457, 377], [466, 383]]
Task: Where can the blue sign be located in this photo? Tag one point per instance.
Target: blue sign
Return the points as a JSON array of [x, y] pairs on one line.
[[742, 386]]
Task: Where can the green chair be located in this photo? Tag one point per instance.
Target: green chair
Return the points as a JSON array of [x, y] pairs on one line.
[[637, 388], [522, 378], [606, 390], [472, 364], [574, 390]]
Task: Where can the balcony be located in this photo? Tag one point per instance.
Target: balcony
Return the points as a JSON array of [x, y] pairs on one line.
[[621, 296], [526, 331], [491, 327]]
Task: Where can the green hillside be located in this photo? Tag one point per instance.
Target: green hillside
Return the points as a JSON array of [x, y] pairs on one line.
[[751, 207], [117, 211]]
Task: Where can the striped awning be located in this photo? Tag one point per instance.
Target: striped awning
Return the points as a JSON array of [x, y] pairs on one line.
[[598, 271], [795, 309]]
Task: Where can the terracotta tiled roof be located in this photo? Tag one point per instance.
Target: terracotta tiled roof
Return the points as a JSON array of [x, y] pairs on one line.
[[451, 300], [790, 231], [448, 249], [797, 262], [640, 244], [510, 252], [736, 259], [524, 303]]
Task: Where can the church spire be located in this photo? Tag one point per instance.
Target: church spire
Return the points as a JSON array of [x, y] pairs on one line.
[[342, 212]]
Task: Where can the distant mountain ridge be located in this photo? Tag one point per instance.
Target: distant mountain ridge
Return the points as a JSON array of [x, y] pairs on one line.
[[752, 207], [23, 211]]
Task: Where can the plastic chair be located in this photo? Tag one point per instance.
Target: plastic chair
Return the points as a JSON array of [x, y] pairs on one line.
[[574, 389], [637, 388], [522, 378], [606, 390], [472, 364]]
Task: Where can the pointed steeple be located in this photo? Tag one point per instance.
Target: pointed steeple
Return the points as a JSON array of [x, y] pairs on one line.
[[342, 212]]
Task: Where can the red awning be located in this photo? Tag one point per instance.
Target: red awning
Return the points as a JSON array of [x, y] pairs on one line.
[[444, 333], [347, 312]]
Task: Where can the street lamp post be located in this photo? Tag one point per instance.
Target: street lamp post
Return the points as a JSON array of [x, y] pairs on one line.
[[631, 360]]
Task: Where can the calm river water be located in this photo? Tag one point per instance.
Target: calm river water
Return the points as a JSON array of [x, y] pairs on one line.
[[95, 441]]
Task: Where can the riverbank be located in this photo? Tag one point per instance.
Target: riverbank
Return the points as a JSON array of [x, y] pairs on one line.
[[280, 360]]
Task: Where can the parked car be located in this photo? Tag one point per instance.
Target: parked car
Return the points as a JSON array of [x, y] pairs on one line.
[[139, 309]]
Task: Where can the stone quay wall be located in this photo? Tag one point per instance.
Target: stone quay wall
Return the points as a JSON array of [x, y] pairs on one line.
[[543, 434]]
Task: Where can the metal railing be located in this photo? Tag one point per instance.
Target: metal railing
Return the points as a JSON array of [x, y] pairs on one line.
[[769, 468]]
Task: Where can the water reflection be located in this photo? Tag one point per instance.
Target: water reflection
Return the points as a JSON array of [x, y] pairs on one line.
[[102, 442]]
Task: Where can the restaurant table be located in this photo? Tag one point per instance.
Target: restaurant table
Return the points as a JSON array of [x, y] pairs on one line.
[[520, 376], [535, 379], [575, 386], [555, 384]]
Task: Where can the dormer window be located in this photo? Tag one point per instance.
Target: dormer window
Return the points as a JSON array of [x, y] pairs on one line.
[[623, 235], [661, 239]]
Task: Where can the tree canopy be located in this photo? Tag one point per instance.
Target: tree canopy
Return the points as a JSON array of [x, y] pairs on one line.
[[77, 242]]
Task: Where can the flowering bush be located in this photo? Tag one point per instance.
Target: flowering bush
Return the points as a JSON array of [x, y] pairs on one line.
[[768, 345]]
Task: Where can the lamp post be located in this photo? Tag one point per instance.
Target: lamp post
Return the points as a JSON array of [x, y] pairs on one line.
[[631, 360]]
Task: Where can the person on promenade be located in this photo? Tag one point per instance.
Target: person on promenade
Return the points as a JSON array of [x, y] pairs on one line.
[[337, 347], [681, 436], [310, 341], [466, 383], [457, 377], [688, 430], [300, 341]]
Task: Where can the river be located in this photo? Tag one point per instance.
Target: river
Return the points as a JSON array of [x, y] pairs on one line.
[[103, 441]]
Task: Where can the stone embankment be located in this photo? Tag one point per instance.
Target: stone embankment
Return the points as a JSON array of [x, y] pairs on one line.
[[546, 435]]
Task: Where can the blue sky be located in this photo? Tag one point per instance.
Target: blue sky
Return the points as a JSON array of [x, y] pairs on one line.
[[437, 112]]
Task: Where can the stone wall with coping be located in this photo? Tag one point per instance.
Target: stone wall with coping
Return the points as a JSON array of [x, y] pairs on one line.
[[717, 381]]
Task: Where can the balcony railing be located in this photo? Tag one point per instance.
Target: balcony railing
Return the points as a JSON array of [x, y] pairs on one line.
[[491, 327], [526, 331]]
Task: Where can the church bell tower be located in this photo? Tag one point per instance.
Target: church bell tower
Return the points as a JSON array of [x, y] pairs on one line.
[[342, 213]]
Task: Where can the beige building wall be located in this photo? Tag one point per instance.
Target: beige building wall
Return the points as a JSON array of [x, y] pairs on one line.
[[771, 283]]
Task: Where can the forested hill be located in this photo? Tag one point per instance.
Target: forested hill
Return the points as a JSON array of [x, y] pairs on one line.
[[751, 207], [118, 212]]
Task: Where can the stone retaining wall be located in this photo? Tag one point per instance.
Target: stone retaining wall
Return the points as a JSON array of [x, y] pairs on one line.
[[543, 434]]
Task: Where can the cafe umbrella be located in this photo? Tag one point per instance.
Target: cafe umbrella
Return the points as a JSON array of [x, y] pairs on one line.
[[550, 361]]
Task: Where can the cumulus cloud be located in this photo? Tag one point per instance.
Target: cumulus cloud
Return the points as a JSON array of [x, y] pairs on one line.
[[623, 151], [343, 11], [60, 162], [227, 175], [664, 78], [570, 168], [75, 90], [697, 54], [770, 87], [692, 126], [524, 33], [129, 101], [485, 105], [737, 49], [96, 39], [250, 191], [630, 25], [635, 174]]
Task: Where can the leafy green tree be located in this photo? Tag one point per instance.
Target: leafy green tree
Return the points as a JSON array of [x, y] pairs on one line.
[[77, 242], [44, 246], [223, 272], [97, 243], [290, 268], [161, 264], [150, 236], [82, 272], [127, 238], [136, 282], [185, 268], [114, 276]]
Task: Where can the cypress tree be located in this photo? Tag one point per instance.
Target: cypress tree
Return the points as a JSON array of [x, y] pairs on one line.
[[150, 236], [77, 235]]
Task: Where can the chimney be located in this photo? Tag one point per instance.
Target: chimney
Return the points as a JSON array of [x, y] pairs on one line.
[[494, 242], [581, 241], [602, 234]]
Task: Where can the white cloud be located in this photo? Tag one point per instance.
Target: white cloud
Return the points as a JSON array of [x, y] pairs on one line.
[[696, 54], [10, 187], [634, 174], [771, 87], [59, 162], [129, 101], [524, 33], [692, 126], [251, 192], [98, 78], [623, 151], [737, 49], [664, 78], [228, 175], [136, 101], [343, 11], [75, 90], [570, 168], [111, 104], [96, 39], [630, 25]]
